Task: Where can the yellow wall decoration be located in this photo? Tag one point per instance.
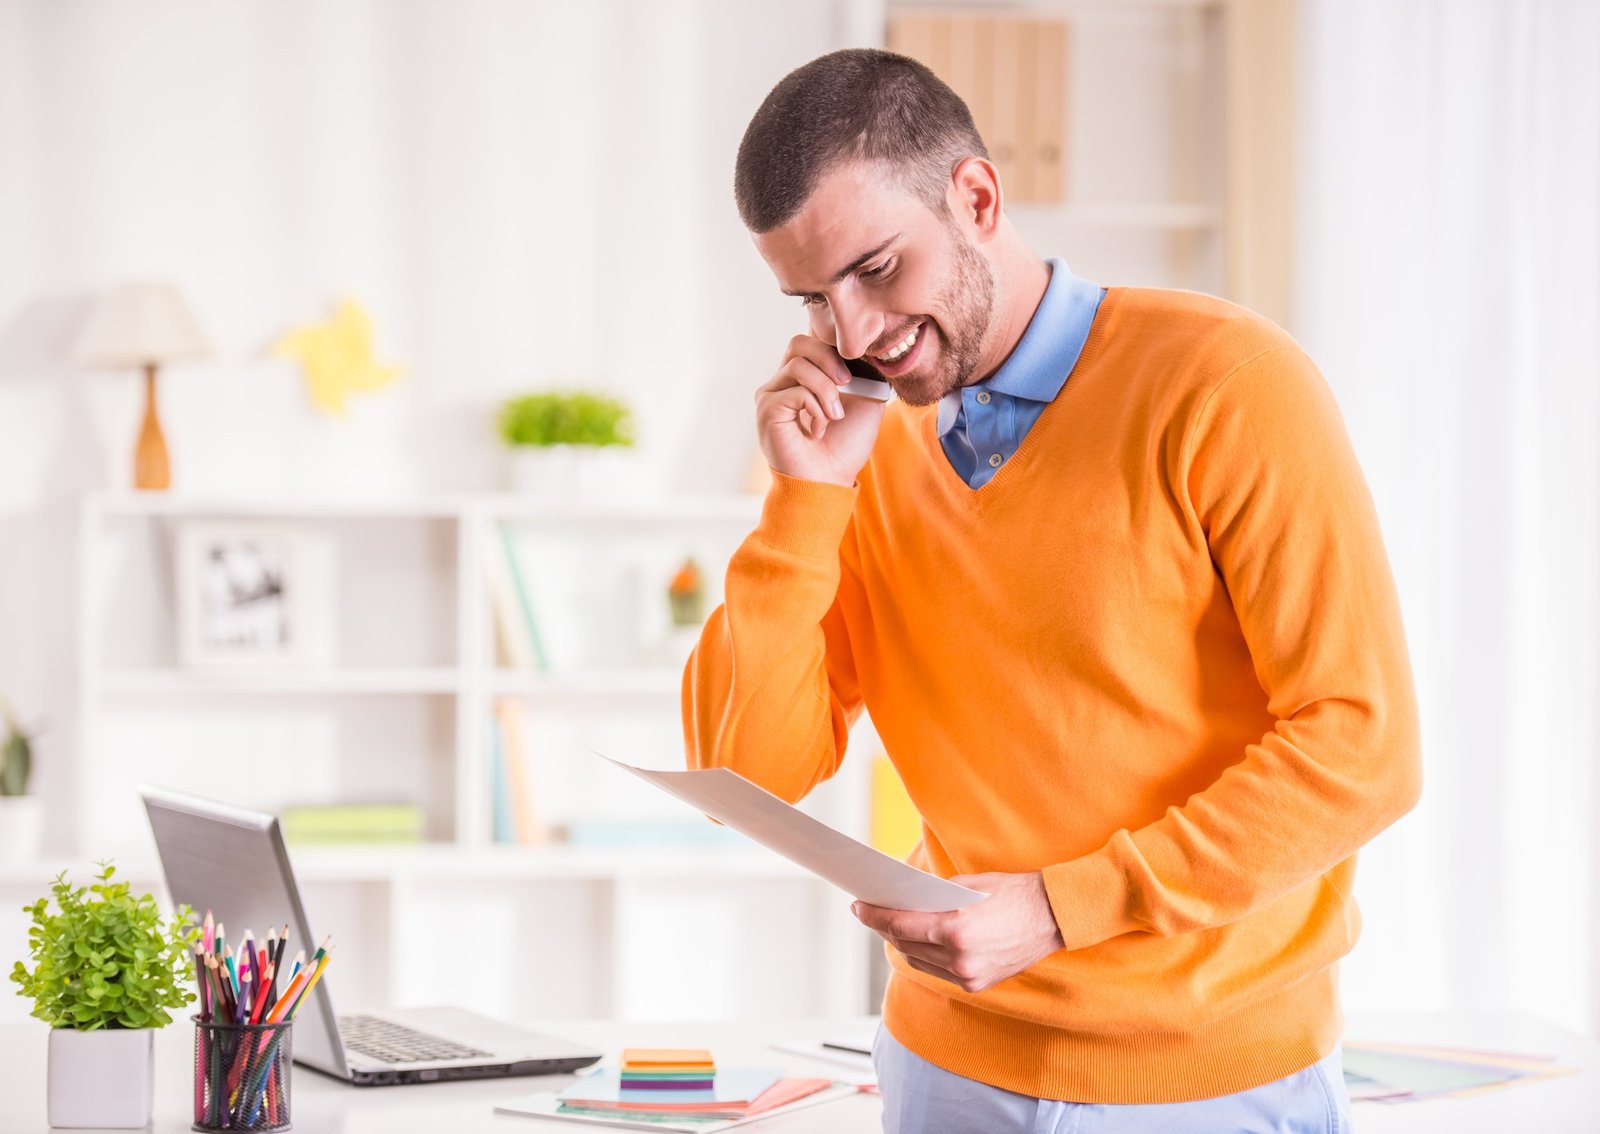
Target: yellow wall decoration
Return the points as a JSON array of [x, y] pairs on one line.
[[337, 357]]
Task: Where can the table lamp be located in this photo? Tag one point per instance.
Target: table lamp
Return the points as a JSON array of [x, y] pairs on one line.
[[142, 324]]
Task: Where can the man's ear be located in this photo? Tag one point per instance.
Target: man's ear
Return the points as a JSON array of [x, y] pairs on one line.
[[976, 197]]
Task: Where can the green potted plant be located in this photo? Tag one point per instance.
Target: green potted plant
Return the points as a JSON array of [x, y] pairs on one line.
[[559, 442], [21, 820], [106, 971]]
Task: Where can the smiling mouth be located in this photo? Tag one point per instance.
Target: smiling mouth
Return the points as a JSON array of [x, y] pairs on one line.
[[900, 349]]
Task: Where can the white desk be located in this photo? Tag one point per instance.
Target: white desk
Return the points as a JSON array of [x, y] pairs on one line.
[[1569, 1105]]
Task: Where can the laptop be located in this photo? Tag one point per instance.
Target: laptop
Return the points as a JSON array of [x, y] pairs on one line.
[[234, 863]]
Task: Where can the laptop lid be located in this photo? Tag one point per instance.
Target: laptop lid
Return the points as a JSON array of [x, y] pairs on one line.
[[234, 863]]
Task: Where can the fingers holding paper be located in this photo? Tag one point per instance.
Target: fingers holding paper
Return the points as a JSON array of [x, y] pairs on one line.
[[977, 946]]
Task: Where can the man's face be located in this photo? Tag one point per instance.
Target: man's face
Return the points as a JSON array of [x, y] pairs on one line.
[[886, 279]]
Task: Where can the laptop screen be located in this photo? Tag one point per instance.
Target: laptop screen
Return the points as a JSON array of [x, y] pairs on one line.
[[233, 862]]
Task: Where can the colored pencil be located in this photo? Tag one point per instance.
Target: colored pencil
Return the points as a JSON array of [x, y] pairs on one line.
[[312, 983]]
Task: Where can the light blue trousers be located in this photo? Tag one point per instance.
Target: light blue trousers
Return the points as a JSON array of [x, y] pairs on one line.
[[919, 1098]]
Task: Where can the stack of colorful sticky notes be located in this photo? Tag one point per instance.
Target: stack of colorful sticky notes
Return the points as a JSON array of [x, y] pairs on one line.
[[667, 1069], [662, 1085]]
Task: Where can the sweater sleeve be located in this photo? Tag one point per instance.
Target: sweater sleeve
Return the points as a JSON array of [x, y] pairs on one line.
[[770, 690], [1274, 485]]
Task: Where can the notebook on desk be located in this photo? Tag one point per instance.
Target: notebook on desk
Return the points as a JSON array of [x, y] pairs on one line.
[[234, 862]]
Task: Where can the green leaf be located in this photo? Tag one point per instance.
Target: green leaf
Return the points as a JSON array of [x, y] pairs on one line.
[[105, 957]]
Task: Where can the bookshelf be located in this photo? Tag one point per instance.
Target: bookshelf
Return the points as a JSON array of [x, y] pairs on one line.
[[1173, 118], [396, 705]]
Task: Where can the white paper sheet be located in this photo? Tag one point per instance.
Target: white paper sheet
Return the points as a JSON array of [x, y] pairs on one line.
[[854, 867]]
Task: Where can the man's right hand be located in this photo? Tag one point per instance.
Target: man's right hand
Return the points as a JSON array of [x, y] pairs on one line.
[[808, 429]]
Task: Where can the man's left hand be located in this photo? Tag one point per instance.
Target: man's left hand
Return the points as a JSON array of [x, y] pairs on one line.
[[980, 945]]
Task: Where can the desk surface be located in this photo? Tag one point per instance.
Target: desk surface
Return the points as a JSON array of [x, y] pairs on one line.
[[327, 1106]]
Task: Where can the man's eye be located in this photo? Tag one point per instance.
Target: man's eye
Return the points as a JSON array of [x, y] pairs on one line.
[[810, 300], [881, 270]]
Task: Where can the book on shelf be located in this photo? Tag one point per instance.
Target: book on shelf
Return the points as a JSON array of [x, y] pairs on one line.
[[511, 716], [353, 823], [502, 825], [518, 641]]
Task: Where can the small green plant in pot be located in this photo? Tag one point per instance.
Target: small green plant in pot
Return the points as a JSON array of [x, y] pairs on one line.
[[557, 440], [21, 820], [107, 971]]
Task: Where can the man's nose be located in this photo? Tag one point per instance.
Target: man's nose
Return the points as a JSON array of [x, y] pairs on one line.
[[856, 327]]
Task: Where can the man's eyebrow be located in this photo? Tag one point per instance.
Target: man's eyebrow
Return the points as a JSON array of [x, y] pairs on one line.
[[853, 265]]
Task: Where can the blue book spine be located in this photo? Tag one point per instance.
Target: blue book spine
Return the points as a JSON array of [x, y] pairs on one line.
[[500, 797]]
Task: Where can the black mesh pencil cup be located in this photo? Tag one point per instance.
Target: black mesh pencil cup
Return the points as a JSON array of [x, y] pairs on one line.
[[241, 1075]]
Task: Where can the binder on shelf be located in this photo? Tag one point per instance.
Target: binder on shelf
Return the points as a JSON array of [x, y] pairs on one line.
[[1012, 74], [512, 717], [1048, 155]]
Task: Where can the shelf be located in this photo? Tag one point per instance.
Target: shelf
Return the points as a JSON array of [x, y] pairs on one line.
[[731, 510], [1174, 215], [660, 682], [314, 681], [176, 505], [734, 511], [444, 862]]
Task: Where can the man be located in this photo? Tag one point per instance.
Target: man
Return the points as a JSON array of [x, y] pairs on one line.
[[1110, 583]]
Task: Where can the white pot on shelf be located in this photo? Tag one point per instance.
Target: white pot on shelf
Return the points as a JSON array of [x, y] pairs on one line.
[[21, 827], [584, 472], [103, 1079]]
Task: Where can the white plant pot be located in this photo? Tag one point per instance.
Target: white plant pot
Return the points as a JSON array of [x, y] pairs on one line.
[[21, 827], [103, 1079], [567, 472]]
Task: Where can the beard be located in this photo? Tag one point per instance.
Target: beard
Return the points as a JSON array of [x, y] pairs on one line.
[[967, 298]]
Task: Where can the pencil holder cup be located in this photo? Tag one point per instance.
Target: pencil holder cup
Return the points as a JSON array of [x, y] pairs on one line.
[[241, 1075]]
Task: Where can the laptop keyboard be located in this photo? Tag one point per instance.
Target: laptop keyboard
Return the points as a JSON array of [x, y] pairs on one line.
[[389, 1042]]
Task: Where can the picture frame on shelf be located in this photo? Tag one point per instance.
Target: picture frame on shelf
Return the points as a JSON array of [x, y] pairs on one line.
[[247, 595]]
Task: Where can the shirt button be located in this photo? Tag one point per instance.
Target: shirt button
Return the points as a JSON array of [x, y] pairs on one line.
[[983, 397], [994, 460]]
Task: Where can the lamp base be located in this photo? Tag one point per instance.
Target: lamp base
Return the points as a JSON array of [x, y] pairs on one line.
[[151, 470]]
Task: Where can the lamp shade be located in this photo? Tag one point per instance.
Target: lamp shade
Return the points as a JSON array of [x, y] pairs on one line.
[[137, 324]]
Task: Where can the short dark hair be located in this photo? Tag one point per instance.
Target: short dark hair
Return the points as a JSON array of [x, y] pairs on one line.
[[857, 104]]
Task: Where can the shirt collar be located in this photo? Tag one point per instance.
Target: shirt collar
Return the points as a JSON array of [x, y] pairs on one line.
[[1049, 347]]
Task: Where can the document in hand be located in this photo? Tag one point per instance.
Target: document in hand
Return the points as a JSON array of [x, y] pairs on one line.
[[854, 867]]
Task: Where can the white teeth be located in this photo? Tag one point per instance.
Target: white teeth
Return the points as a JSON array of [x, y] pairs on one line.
[[905, 344]]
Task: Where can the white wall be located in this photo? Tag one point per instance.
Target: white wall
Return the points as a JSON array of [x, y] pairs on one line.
[[521, 193], [1449, 285]]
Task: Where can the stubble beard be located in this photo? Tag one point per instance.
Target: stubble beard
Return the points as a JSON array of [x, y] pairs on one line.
[[968, 297]]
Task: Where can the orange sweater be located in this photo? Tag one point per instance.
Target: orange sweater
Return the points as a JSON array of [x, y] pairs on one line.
[[1158, 657]]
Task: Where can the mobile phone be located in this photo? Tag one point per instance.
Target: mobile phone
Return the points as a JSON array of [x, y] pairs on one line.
[[865, 383]]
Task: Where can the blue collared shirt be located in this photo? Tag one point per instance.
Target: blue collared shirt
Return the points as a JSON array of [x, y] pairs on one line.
[[980, 426]]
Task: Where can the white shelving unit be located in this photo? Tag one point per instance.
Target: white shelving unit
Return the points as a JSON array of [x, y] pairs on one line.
[[401, 710]]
